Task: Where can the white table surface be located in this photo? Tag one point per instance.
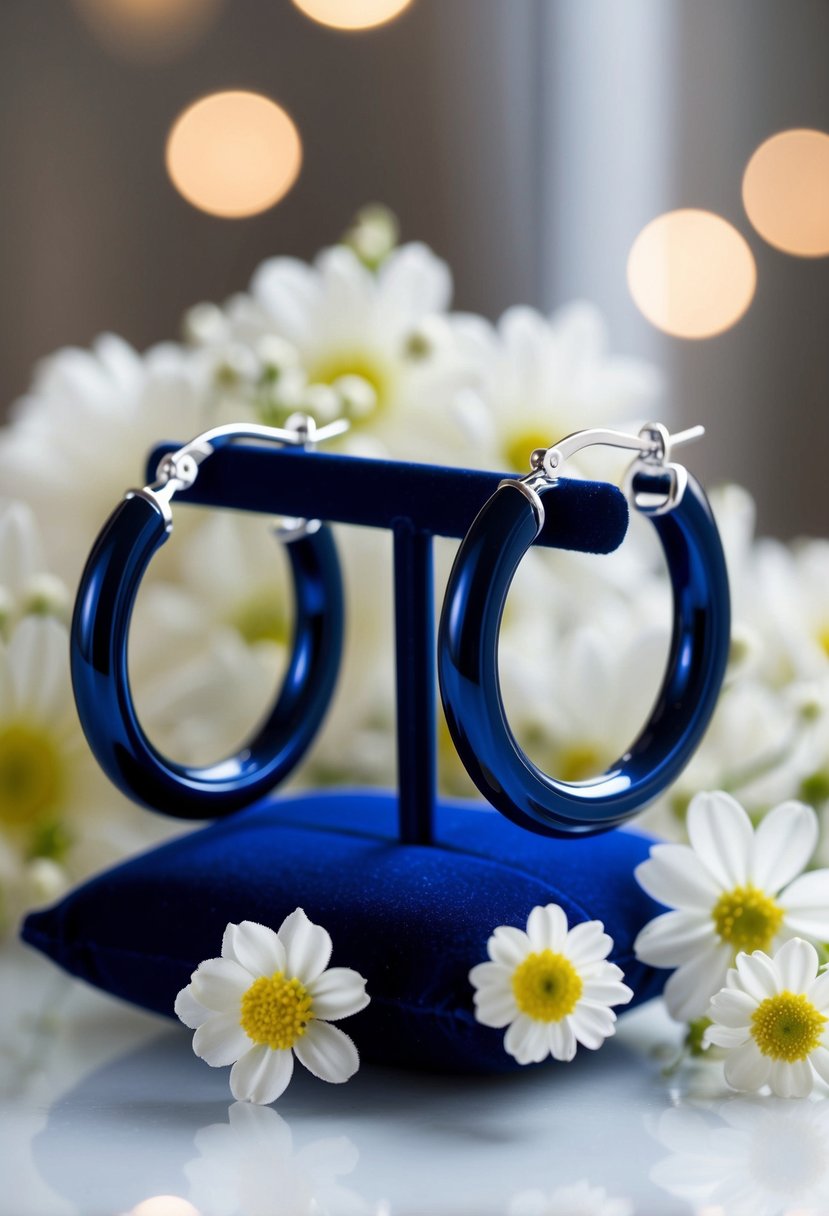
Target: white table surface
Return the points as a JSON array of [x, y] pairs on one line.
[[103, 1107]]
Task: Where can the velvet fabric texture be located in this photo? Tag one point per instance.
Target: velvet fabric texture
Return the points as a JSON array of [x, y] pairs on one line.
[[412, 919]]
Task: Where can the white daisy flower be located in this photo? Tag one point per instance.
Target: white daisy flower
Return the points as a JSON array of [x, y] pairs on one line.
[[250, 1164], [732, 889], [773, 1018], [335, 338], [539, 378], [25, 584], [81, 434], [747, 1158], [551, 987], [269, 997], [580, 1199]]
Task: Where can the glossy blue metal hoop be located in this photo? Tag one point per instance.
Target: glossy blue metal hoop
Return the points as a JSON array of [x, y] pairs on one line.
[[109, 585], [468, 665]]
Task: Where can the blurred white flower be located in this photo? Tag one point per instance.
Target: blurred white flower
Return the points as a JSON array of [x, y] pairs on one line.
[[269, 997], [81, 435], [538, 379], [580, 1199], [25, 584], [771, 1017], [748, 1157], [733, 889], [249, 1165], [337, 339], [551, 987]]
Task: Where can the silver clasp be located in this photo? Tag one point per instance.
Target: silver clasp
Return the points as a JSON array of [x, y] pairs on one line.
[[653, 445], [178, 470]]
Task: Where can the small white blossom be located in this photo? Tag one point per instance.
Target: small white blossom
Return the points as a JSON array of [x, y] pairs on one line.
[[580, 1199], [250, 1165], [732, 889], [773, 1019], [552, 987], [270, 997], [747, 1158]]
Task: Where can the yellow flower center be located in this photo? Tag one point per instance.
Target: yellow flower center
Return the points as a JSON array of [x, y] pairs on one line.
[[578, 762], [823, 638], [746, 918], [30, 775], [261, 618], [518, 446], [276, 1011], [546, 986], [787, 1026], [355, 363]]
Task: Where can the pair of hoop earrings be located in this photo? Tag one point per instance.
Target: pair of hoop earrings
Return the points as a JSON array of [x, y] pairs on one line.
[[470, 624]]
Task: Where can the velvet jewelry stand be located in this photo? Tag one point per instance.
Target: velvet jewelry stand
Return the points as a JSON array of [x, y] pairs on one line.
[[410, 887]]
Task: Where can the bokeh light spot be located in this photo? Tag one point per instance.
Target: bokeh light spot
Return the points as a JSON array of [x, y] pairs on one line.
[[786, 192], [352, 14], [691, 273], [233, 154], [164, 1205], [148, 29]]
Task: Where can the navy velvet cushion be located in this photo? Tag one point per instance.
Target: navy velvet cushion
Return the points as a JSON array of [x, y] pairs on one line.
[[412, 919]]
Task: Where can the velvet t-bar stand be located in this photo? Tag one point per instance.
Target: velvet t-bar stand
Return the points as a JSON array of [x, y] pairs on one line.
[[415, 502]]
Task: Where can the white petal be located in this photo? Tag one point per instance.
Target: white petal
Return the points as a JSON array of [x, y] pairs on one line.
[[721, 835], [261, 1075], [308, 946], [414, 282], [757, 975], [607, 991], [675, 876], [733, 1008], [818, 991], [783, 844], [338, 993], [806, 904], [725, 1036], [592, 1024], [189, 1010], [547, 928], [327, 1053], [797, 963], [220, 1040], [674, 938], [527, 1040], [562, 1040], [256, 947], [689, 989], [746, 1068], [509, 946], [587, 943], [791, 1080], [491, 976], [39, 669], [495, 1009], [220, 984], [820, 1059]]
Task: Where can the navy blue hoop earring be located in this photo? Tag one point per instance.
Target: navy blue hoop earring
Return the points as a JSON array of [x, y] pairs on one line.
[[470, 623], [100, 626]]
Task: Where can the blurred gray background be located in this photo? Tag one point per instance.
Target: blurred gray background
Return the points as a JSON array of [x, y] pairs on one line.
[[528, 141]]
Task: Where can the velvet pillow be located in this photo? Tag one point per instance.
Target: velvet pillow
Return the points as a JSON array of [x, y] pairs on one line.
[[412, 919]]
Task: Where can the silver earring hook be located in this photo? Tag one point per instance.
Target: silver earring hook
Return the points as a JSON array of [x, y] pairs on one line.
[[178, 470], [653, 445]]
